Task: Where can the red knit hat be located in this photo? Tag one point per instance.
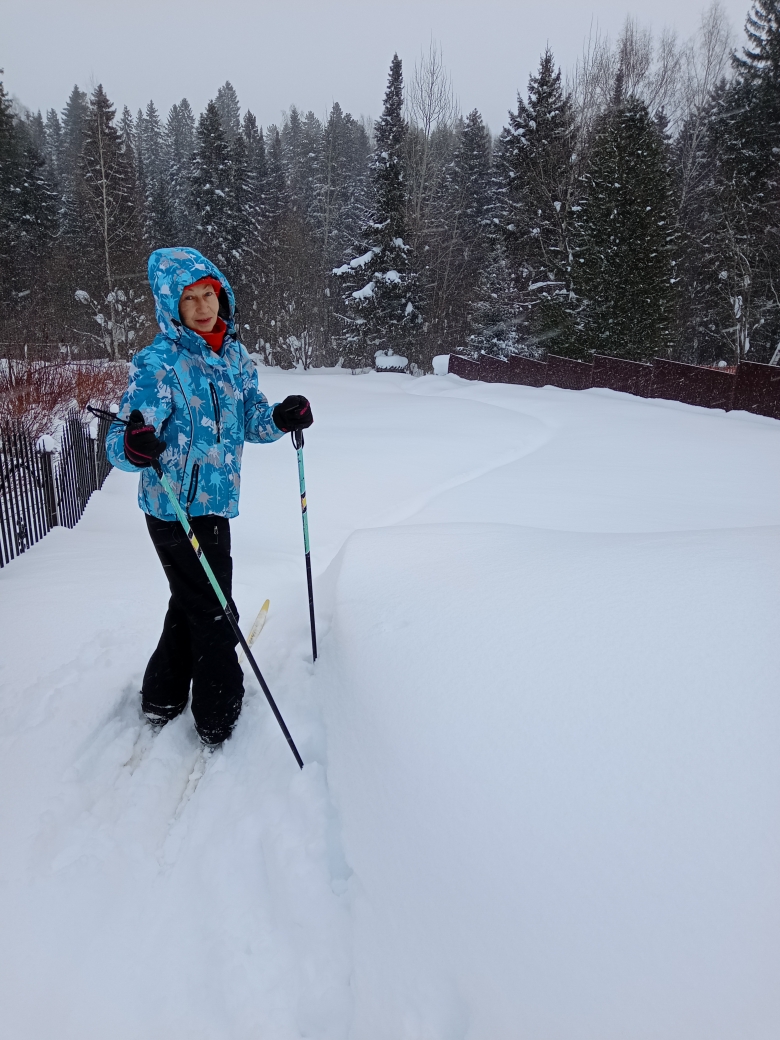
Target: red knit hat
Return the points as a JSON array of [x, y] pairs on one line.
[[213, 282]]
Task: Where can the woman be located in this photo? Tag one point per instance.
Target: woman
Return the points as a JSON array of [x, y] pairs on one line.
[[196, 390]]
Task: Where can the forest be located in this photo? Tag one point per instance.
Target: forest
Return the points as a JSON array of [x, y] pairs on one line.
[[630, 206]]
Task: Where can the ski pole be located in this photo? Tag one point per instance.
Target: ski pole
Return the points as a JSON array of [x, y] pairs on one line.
[[184, 521], [297, 439]]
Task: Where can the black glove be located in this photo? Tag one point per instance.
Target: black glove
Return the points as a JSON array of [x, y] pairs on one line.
[[142, 445], [294, 413]]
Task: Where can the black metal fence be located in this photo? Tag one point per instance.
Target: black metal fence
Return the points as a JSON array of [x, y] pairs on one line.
[[43, 489]]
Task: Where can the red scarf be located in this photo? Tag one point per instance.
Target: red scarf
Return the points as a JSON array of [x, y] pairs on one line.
[[216, 336]]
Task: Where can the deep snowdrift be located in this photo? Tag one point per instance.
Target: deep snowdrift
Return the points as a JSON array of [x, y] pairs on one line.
[[541, 791]]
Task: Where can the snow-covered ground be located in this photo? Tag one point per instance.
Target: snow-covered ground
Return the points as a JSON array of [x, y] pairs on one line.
[[542, 739]]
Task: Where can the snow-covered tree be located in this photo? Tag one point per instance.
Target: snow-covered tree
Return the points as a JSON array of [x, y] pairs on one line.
[[536, 161], [179, 151], [744, 204], [27, 214], [381, 312], [229, 110], [625, 238], [210, 189]]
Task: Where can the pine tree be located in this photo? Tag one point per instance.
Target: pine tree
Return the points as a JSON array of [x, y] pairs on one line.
[[27, 218], [229, 110], [158, 221], [625, 238], [744, 205], [179, 150], [53, 150], [458, 238], [74, 125], [341, 203], [74, 121], [535, 154], [251, 200], [380, 291], [496, 318], [210, 188], [36, 131]]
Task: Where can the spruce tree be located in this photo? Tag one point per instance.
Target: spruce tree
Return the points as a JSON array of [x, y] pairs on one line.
[[458, 239], [380, 286], [27, 221], [744, 205], [74, 124], [158, 210], [341, 202], [53, 150], [229, 110], [210, 189], [625, 238], [179, 150], [535, 156], [251, 194]]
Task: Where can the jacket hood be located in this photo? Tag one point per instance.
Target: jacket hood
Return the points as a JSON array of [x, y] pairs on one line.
[[170, 272]]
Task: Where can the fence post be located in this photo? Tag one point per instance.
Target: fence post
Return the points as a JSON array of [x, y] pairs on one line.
[[49, 492], [103, 465]]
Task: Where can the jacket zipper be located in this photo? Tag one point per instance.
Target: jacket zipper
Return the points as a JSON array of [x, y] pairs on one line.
[[193, 486], [217, 413]]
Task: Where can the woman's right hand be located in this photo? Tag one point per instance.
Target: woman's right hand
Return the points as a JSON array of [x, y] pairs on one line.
[[142, 445]]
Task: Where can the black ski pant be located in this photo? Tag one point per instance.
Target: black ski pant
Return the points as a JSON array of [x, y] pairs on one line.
[[197, 644]]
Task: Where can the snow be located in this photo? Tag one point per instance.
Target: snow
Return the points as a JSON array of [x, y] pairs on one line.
[[390, 362], [365, 293], [441, 364], [540, 797], [356, 264]]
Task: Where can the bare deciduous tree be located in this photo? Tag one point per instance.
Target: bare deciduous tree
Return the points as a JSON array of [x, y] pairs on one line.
[[431, 111]]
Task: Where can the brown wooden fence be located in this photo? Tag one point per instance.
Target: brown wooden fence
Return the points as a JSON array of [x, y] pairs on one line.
[[757, 389], [629, 377], [43, 489], [751, 387], [527, 372], [690, 384], [568, 374]]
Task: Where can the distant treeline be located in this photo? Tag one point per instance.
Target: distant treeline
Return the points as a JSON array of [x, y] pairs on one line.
[[630, 209]]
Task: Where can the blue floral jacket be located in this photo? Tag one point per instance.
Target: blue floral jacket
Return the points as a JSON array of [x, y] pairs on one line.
[[204, 405]]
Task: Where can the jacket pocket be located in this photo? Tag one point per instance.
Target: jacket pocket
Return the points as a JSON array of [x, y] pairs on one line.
[[193, 488], [217, 411]]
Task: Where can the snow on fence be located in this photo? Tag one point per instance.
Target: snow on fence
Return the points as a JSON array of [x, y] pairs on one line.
[[41, 489], [390, 362], [752, 387]]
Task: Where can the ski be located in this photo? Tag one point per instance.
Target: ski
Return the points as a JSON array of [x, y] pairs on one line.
[[256, 628]]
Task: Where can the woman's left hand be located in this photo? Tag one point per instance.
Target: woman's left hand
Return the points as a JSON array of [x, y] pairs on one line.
[[294, 413]]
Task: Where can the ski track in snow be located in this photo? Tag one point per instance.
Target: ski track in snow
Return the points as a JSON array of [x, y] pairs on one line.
[[456, 859]]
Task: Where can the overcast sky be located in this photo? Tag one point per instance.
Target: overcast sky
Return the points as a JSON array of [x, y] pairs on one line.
[[282, 52]]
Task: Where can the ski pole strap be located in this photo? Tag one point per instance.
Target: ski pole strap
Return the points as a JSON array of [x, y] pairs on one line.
[[110, 416]]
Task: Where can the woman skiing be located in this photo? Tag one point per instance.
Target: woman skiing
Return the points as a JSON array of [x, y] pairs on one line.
[[192, 401]]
